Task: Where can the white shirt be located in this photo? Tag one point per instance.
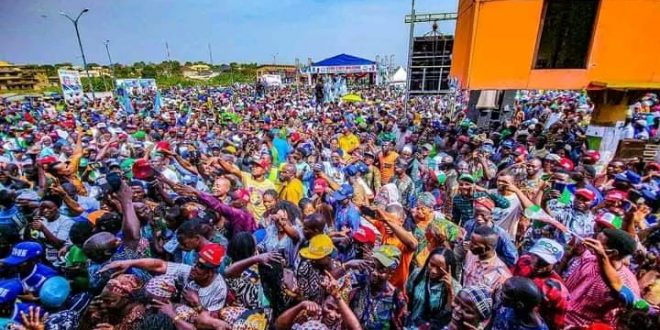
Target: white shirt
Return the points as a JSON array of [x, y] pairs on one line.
[[60, 228], [212, 297]]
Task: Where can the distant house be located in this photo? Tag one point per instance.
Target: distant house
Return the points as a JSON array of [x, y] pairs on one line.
[[198, 71], [287, 72], [15, 77]]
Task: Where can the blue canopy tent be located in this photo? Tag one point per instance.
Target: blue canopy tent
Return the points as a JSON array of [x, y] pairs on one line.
[[342, 64], [345, 65]]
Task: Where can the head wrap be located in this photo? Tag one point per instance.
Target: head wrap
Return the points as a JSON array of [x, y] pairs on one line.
[[445, 228], [481, 297], [163, 286], [123, 285], [426, 199], [484, 202]]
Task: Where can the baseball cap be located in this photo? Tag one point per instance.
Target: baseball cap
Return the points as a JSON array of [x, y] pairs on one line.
[[427, 146], [552, 157], [10, 289], [615, 196], [362, 167], [548, 250], [212, 254], [319, 247], [364, 234], [162, 145], [388, 255], [585, 193], [22, 252], [142, 170], [94, 216], [351, 170], [466, 177], [344, 192], [566, 164]]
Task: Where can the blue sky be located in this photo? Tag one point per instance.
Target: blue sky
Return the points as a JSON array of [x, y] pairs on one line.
[[32, 31]]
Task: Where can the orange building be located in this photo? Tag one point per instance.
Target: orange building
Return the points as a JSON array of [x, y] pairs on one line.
[[609, 47], [556, 44]]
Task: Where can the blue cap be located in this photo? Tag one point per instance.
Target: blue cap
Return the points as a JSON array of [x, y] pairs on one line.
[[259, 235], [649, 194], [351, 170], [22, 252], [362, 168], [621, 177], [10, 289], [54, 292], [633, 177], [507, 144], [344, 192]]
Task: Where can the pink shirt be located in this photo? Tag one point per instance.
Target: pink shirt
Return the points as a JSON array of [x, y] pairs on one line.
[[591, 299], [491, 272]]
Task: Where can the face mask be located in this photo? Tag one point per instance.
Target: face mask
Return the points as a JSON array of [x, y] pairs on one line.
[[478, 251]]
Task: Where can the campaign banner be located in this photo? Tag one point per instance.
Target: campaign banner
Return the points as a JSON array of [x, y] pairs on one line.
[[71, 85], [136, 86], [343, 69]]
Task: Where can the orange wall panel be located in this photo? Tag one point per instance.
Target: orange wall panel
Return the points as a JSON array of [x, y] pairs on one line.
[[463, 40], [505, 38], [496, 43]]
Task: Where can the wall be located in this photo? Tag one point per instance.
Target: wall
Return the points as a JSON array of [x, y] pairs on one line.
[[496, 43]]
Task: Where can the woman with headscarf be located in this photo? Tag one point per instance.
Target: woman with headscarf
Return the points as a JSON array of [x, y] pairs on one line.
[[471, 309], [430, 290], [116, 306]]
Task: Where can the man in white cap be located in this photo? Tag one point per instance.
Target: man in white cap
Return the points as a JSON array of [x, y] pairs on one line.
[[538, 265]]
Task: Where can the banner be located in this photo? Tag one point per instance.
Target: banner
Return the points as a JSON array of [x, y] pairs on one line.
[[343, 69], [71, 85], [136, 86]]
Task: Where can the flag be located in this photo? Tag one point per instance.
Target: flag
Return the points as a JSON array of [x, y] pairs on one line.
[[158, 103], [535, 212], [565, 197]]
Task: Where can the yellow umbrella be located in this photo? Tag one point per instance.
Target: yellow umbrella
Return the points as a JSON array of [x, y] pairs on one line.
[[351, 98]]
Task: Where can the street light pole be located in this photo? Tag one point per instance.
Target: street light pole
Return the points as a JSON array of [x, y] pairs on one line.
[[82, 52], [112, 67], [410, 54]]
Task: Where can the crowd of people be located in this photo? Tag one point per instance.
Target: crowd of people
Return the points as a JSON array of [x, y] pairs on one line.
[[240, 208]]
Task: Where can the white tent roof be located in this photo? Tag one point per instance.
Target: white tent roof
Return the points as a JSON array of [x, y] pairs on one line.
[[400, 76]]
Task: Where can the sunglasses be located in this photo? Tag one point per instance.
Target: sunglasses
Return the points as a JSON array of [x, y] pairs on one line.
[[204, 266]]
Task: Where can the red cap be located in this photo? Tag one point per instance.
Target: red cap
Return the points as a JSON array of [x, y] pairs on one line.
[[163, 145], [122, 136], [364, 235], [653, 166], [142, 170], [212, 254], [47, 160], [464, 139], [585, 193], [566, 164], [615, 196], [295, 137], [243, 194], [592, 154]]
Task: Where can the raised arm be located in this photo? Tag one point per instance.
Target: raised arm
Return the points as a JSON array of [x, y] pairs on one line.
[[130, 222], [406, 237]]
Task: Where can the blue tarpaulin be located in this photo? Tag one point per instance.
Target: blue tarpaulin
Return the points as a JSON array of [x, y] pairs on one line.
[[343, 60]]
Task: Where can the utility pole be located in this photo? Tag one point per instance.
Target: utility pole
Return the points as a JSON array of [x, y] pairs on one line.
[[210, 54], [112, 67], [411, 37], [167, 52], [82, 52]]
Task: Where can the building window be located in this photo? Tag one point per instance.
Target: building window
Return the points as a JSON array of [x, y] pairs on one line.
[[566, 31]]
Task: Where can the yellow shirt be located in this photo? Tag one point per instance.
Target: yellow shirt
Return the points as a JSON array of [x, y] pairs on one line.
[[256, 189], [292, 191], [348, 143]]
